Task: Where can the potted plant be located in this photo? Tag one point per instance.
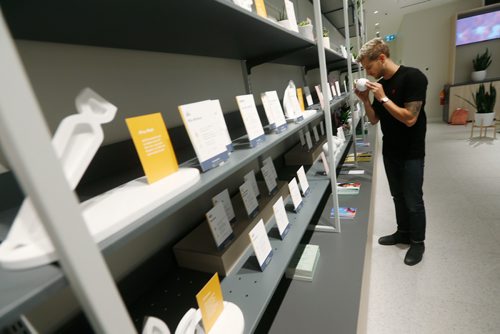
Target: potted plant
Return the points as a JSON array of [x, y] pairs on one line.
[[480, 64], [326, 38], [484, 103], [306, 29]]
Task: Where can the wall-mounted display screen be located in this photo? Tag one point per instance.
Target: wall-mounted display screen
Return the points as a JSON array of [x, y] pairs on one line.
[[478, 28]]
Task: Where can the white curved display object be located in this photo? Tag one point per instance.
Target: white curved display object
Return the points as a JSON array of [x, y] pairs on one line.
[[291, 103], [155, 326], [76, 141], [230, 321]]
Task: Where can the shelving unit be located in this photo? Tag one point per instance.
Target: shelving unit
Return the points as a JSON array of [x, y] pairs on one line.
[[216, 28]]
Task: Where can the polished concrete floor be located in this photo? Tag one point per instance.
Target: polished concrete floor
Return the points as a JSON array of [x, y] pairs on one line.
[[456, 287]]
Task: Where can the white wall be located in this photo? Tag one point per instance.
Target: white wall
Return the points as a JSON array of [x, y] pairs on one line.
[[423, 42]]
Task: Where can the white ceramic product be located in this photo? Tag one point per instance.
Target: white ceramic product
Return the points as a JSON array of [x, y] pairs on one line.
[[76, 142], [361, 84], [155, 326], [230, 321], [307, 31], [291, 103]]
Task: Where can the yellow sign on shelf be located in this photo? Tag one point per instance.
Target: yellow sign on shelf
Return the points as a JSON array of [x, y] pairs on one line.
[[210, 302], [153, 145], [300, 96], [261, 8]]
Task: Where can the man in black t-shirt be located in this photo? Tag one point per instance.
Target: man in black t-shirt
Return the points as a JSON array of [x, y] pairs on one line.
[[398, 103]]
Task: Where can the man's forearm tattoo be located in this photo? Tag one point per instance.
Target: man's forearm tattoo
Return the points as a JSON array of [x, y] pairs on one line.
[[414, 107]]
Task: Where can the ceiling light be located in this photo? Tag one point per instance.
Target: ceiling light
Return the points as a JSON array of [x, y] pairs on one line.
[[377, 24], [375, 12]]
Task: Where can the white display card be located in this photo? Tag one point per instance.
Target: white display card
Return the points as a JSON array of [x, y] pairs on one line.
[[309, 99], [249, 199], [302, 138], [251, 119], [326, 166], [337, 86], [224, 199], [356, 172], [276, 110], [330, 97], [219, 225], [222, 124], [281, 217], [269, 161], [320, 96], [334, 92], [315, 133], [269, 178], [268, 111], [322, 128], [250, 178], [295, 194], [290, 14], [261, 244], [202, 125], [304, 184], [340, 133], [309, 140]]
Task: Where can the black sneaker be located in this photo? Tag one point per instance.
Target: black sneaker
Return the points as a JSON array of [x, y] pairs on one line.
[[396, 238], [415, 253]]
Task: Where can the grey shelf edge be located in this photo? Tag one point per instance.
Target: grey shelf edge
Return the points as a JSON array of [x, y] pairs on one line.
[[252, 289]]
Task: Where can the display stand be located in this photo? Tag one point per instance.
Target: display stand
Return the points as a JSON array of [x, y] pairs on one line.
[[198, 250], [485, 127]]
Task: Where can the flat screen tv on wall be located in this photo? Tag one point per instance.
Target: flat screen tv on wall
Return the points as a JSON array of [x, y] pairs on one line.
[[478, 28]]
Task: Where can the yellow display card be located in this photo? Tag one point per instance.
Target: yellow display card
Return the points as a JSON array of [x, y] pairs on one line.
[[300, 96], [210, 302], [153, 146], [261, 8]]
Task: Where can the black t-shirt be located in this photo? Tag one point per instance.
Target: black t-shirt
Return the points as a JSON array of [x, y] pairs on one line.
[[400, 141]]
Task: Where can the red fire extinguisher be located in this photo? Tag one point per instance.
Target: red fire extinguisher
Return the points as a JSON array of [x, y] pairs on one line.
[[441, 97]]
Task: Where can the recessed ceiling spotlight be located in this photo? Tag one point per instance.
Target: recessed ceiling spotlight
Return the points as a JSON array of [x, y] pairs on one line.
[[377, 24], [375, 12]]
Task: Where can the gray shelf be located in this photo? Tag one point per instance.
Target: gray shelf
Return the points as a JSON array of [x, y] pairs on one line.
[[252, 289], [339, 272], [214, 28]]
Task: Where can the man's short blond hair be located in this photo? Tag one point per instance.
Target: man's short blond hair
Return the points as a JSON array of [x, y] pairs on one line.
[[373, 49]]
